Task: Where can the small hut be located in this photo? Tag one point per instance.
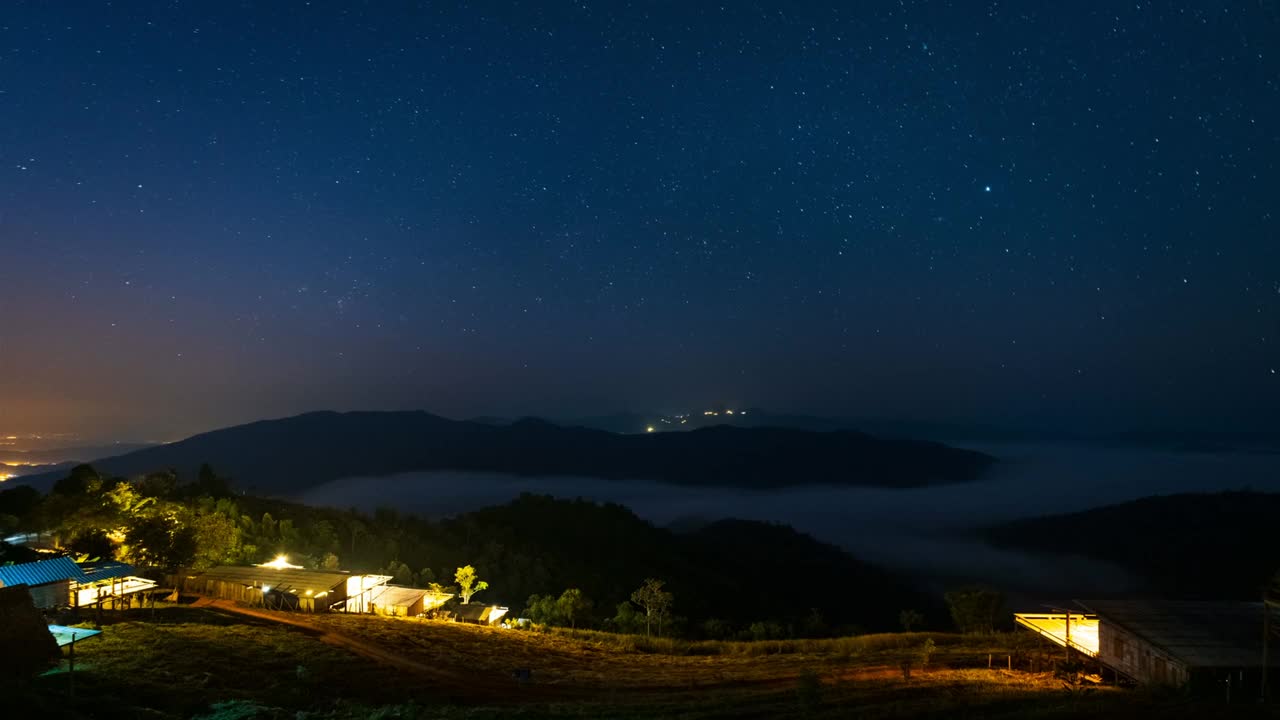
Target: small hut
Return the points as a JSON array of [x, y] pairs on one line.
[[479, 613], [402, 601]]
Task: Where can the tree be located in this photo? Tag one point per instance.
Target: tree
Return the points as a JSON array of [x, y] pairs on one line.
[[573, 606], [217, 539], [910, 620], [975, 609], [158, 484], [160, 540], [625, 619], [208, 483], [468, 583], [81, 480], [655, 602], [542, 609]]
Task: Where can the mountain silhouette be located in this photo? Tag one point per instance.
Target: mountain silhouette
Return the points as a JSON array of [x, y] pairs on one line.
[[292, 454]]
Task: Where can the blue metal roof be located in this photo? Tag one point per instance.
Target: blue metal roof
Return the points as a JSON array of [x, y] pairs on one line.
[[40, 572], [106, 570]]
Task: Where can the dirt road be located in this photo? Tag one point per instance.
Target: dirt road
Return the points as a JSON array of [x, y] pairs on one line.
[[455, 684]]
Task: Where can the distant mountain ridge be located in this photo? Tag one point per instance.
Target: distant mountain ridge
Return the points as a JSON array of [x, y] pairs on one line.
[[1191, 545], [288, 455], [1173, 440]]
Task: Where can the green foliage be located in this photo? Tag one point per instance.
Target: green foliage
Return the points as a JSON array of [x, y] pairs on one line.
[[82, 480], [927, 651], [765, 630], [626, 620], [468, 582], [160, 540], [573, 607], [209, 484], [542, 609], [716, 629], [975, 609], [910, 620]]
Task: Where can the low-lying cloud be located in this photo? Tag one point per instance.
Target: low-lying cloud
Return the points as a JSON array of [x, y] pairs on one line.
[[920, 531]]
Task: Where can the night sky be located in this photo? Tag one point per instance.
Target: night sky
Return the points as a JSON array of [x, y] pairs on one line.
[[1061, 215]]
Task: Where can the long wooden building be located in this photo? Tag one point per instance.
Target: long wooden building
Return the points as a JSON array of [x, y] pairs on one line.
[[288, 588]]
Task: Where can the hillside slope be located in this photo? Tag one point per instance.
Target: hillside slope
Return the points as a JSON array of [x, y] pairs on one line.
[[1194, 545]]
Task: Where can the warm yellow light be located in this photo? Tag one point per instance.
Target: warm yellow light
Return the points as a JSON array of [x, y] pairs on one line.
[[281, 563], [649, 429], [728, 412]]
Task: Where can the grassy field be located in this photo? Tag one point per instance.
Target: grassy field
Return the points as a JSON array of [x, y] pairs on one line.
[[187, 662]]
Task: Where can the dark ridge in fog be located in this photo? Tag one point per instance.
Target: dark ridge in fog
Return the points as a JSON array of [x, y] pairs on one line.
[[927, 532]]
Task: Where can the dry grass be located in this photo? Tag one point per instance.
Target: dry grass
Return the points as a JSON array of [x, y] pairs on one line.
[[180, 662]]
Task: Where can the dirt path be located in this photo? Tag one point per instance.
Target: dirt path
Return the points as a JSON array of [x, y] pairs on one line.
[[459, 685]]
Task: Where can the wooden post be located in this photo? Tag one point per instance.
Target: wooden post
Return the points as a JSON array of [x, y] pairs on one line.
[[1067, 646], [71, 670], [1266, 644], [988, 661], [1010, 659]]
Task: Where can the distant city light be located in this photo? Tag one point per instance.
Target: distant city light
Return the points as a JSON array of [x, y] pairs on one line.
[[649, 429]]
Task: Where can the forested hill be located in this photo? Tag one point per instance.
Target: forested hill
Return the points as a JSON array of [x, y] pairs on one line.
[[292, 454], [1195, 545], [736, 570], [724, 577]]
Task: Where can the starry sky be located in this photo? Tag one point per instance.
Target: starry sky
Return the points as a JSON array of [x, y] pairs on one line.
[[1056, 215]]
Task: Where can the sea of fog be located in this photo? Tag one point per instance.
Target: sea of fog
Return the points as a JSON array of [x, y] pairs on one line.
[[919, 531]]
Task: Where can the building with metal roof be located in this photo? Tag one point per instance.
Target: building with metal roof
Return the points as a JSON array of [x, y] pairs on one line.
[[479, 613], [111, 581], [48, 581], [1209, 646], [406, 601], [287, 587]]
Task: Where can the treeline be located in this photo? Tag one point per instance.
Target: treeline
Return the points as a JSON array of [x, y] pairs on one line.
[[728, 579]]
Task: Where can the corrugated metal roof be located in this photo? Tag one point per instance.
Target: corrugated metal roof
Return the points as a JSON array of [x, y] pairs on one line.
[[106, 570], [400, 596], [41, 572], [1201, 634], [287, 579]]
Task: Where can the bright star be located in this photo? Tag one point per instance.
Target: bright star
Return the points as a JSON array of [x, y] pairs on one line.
[[986, 189]]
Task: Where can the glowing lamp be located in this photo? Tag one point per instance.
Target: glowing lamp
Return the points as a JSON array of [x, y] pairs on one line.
[[281, 563]]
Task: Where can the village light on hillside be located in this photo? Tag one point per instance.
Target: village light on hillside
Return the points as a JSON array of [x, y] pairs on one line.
[[281, 563], [649, 429]]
